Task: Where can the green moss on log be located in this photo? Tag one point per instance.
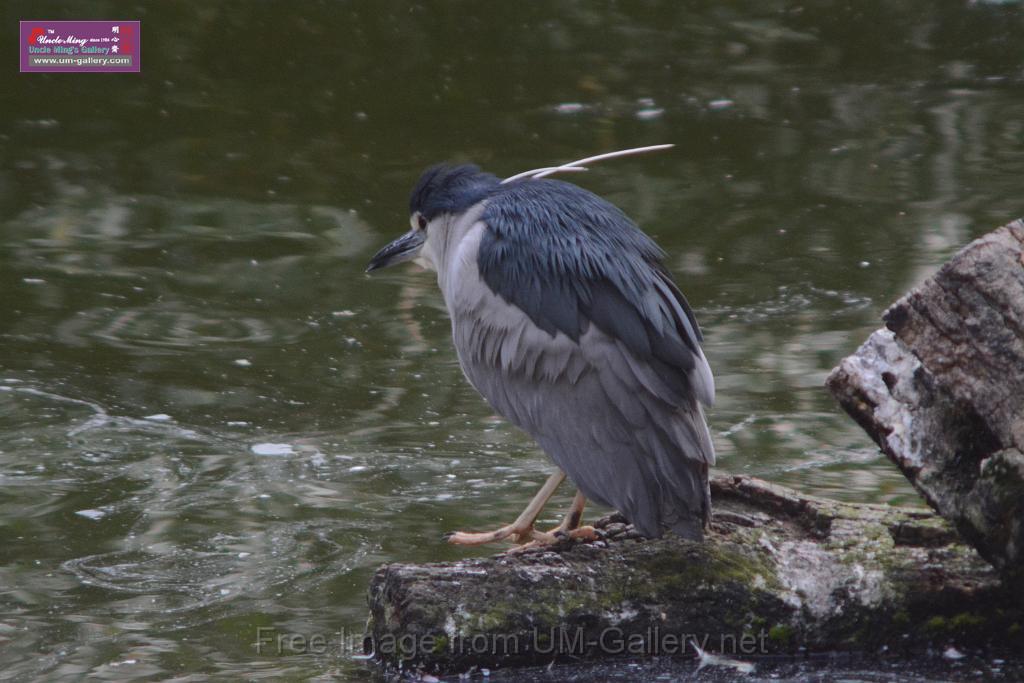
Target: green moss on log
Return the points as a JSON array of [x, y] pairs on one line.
[[780, 570]]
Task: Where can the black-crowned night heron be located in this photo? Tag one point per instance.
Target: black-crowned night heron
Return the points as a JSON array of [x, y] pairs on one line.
[[567, 322]]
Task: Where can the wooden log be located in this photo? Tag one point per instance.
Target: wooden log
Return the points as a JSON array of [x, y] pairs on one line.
[[941, 390], [779, 573]]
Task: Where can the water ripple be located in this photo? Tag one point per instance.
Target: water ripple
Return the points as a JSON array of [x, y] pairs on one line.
[[145, 328]]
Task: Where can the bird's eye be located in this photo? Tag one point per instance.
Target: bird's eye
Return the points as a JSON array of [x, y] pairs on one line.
[[421, 221]]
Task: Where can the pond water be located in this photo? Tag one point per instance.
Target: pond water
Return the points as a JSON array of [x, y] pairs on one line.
[[212, 421]]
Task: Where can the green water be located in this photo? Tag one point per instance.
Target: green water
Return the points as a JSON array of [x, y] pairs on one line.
[[212, 421]]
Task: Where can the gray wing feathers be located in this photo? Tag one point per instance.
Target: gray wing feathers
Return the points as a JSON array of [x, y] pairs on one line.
[[610, 379], [626, 438]]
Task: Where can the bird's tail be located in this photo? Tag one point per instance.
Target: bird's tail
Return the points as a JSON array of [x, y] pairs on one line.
[[689, 519], [686, 505]]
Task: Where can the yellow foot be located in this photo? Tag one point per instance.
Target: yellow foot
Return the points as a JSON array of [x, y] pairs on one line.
[[517, 534], [520, 530], [584, 533], [559, 534], [525, 538], [555, 537]]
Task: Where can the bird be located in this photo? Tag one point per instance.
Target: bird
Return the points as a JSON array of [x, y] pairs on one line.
[[566, 320]]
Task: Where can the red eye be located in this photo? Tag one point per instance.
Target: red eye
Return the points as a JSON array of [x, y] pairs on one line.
[[421, 221]]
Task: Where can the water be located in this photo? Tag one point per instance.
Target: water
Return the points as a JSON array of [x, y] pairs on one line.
[[212, 421]]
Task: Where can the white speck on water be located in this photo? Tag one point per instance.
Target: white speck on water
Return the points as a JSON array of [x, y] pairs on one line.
[[237, 423], [225, 591], [357, 468], [39, 123], [243, 555], [570, 108], [716, 105], [864, 264], [33, 281], [650, 114], [127, 661], [158, 417], [242, 362], [94, 515], [272, 449], [952, 653], [343, 314]]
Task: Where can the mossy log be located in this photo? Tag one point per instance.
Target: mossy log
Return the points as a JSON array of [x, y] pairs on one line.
[[941, 390], [779, 573]]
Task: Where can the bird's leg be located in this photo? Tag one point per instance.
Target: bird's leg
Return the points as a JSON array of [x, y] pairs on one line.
[[573, 516], [521, 529], [570, 526]]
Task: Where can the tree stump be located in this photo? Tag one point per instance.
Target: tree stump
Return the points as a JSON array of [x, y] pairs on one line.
[[941, 390], [779, 573]]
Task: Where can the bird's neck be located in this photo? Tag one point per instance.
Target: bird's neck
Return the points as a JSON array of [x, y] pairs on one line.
[[456, 254]]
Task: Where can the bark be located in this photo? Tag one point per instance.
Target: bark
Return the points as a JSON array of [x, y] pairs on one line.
[[941, 390], [779, 573]]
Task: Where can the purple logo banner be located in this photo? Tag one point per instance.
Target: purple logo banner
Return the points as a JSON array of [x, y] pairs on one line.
[[104, 46]]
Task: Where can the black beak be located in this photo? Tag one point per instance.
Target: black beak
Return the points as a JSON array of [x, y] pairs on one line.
[[405, 248]]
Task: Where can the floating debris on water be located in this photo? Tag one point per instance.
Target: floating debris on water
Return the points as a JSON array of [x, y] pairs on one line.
[[705, 658], [272, 449], [650, 114], [570, 108]]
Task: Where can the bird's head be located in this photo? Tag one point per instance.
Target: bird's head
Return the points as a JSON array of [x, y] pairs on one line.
[[441, 195]]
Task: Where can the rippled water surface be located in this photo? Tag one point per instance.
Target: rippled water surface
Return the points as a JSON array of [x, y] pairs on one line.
[[211, 420]]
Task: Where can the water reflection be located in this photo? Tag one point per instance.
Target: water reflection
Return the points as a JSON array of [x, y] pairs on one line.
[[212, 421]]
